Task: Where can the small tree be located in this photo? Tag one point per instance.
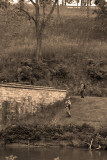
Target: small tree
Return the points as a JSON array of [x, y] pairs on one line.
[[40, 23], [102, 14]]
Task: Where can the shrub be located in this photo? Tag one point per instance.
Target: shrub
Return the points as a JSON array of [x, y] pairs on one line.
[[85, 128], [103, 132], [101, 19]]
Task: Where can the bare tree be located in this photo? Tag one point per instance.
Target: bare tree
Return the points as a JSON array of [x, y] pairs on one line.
[[90, 144], [39, 22]]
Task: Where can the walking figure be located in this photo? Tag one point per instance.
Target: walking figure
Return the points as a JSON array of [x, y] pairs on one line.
[[68, 106], [82, 89]]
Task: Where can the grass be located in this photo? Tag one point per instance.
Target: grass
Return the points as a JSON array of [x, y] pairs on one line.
[[51, 126], [90, 110], [69, 42]]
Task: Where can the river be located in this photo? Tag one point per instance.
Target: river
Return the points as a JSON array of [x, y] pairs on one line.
[[24, 153]]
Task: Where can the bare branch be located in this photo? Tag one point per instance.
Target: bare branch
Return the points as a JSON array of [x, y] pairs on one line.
[[51, 11], [48, 17], [99, 147], [33, 2], [27, 13], [87, 143], [90, 144]]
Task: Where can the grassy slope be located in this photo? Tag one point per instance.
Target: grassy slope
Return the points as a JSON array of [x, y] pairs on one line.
[[91, 110], [67, 46], [51, 127]]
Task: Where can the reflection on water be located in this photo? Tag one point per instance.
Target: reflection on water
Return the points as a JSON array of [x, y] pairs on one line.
[[52, 153], [11, 157]]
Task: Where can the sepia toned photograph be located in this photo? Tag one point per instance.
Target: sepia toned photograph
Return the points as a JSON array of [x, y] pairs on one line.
[[53, 79]]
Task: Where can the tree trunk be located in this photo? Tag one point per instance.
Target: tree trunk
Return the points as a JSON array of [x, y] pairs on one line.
[[77, 3], [44, 5], [58, 14], [62, 2], [87, 8], [39, 44], [37, 24]]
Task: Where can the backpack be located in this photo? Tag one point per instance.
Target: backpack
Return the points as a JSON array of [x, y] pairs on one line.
[[84, 86]]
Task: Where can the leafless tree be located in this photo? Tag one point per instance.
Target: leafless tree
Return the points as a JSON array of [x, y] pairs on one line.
[[40, 23], [90, 144]]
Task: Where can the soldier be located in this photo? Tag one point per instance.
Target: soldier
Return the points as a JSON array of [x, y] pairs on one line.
[[68, 106], [82, 89]]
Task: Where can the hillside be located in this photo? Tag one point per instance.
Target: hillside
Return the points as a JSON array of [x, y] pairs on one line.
[[73, 49], [90, 110], [51, 127]]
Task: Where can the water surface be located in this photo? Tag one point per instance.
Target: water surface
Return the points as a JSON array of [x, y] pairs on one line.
[[24, 153]]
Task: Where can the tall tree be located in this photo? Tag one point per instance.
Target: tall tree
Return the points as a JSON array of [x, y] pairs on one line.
[[102, 14], [40, 23]]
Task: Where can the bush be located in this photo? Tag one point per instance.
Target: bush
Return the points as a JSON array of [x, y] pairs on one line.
[[86, 128], [74, 135], [103, 132], [101, 19], [12, 134], [65, 47]]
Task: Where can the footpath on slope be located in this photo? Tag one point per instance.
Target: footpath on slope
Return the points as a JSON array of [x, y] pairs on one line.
[[90, 110]]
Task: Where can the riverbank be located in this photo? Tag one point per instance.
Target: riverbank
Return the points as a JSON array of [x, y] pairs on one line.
[[52, 136], [51, 127], [89, 110]]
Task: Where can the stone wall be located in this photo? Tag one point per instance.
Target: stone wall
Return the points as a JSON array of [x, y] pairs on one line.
[[17, 100]]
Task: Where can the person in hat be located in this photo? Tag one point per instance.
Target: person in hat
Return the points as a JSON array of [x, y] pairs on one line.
[[68, 106]]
